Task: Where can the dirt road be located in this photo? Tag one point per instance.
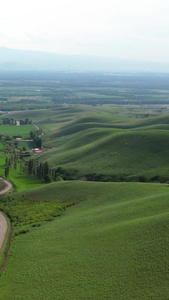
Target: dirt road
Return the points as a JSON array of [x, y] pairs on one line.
[[3, 221], [3, 229], [7, 188]]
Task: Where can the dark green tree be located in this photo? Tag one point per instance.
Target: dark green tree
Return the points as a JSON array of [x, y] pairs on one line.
[[6, 172]]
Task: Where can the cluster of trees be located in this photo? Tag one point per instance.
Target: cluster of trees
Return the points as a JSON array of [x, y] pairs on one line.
[[11, 121], [123, 177], [63, 174], [5, 138], [25, 122], [11, 161], [41, 170], [44, 172], [8, 121], [142, 116], [37, 140]]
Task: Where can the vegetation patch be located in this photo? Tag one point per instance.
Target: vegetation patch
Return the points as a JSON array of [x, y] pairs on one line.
[[6, 246], [27, 208]]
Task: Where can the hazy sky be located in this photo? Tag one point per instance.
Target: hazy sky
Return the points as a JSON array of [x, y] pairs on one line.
[[116, 28]]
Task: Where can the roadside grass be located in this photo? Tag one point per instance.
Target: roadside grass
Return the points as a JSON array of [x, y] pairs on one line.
[[5, 246], [23, 181], [20, 180], [113, 244]]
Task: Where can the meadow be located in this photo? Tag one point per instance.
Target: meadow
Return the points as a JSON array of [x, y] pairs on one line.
[[104, 238], [112, 244], [23, 131]]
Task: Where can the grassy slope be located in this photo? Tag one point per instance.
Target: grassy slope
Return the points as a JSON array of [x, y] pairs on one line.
[[112, 245], [104, 140], [110, 151]]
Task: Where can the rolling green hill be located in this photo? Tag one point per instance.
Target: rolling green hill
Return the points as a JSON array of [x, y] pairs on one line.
[[106, 141], [113, 152], [113, 244], [92, 240]]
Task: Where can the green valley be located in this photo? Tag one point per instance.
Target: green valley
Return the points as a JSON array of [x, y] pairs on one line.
[[89, 164]]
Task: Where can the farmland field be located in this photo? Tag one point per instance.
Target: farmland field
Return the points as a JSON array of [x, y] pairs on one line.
[[32, 90], [23, 131], [89, 213]]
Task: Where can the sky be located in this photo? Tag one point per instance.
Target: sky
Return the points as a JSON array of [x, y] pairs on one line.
[[124, 29]]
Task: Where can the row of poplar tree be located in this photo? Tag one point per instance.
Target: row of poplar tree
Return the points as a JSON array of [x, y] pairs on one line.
[[38, 169], [11, 161], [32, 167], [41, 170]]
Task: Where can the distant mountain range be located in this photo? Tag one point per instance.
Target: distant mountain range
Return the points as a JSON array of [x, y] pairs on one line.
[[14, 59]]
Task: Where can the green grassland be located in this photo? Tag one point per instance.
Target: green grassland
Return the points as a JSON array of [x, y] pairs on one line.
[[112, 244], [89, 240], [104, 140], [23, 181], [113, 152], [23, 131], [20, 180]]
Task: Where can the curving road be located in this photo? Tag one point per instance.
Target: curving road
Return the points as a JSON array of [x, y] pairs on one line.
[[7, 188], [3, 221], [3, 229]]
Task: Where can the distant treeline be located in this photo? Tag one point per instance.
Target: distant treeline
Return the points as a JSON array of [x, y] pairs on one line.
[[11, 121], [25, 122], [8, 121], [124, 178]]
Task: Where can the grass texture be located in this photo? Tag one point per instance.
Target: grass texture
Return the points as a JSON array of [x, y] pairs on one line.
[[23, 131], [113, 244]]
